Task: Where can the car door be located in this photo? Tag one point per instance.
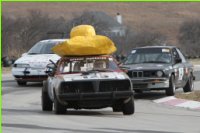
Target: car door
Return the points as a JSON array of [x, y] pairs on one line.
[[179, 68], [50, 86], [51, 80], [188, 68]]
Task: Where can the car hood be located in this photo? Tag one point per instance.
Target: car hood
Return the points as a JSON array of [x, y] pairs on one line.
[[37, 61], [95, 76], [148, 66]]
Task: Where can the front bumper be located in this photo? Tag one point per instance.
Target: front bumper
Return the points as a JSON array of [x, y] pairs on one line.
[[95, 96], [150, 83], [29, 74]]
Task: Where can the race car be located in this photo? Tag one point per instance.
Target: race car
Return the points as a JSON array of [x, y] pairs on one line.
[[159, 68], [31, 66], [89, 82]]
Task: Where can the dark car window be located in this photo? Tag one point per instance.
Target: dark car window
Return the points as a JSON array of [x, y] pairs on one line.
[[149, 55], [87, 64], [42, 48]]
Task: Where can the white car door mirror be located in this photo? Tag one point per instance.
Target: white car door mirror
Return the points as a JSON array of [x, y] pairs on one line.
[[51, 66], [50, 69]]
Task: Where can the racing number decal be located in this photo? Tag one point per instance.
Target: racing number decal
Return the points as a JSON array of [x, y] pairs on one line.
[[181, 73]]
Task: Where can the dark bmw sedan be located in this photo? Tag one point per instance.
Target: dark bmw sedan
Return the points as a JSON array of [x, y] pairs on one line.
[[159, 68]]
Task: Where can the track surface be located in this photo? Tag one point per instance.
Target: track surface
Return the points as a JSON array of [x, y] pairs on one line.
[[22, 114]]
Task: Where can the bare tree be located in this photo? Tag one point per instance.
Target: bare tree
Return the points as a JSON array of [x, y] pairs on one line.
[[146, 38], [96, 19], [189, 37], [20, 34], [6, 33]]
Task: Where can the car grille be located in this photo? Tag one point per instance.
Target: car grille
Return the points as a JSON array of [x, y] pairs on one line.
[[139, 86], [95, 86], [140, 74], [106, 86], [32, 76]]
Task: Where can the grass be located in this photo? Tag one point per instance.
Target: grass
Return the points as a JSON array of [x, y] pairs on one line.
[[195, 96]]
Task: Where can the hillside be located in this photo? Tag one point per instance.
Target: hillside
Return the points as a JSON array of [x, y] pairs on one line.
[[160, 17]]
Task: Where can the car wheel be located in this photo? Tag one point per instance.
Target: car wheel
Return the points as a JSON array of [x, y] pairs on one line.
[[21, 83], [189, 85], [47, 104], [128, 106], [58, 108], [171, 90]]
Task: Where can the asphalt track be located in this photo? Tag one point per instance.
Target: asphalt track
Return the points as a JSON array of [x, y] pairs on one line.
[[21, 113]]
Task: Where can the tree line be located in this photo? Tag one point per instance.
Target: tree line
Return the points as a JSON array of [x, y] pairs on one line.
[[20, 34]]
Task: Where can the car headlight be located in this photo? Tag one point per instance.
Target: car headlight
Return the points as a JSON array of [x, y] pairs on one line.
[[21, 65], [159, 73]]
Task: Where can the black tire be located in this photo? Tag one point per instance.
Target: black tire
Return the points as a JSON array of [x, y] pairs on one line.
[[21, 83], [116, 109], [138, 91], [189, 85], [47, 104], [117, 106], [129, 107], [171, 90], [58, 108]]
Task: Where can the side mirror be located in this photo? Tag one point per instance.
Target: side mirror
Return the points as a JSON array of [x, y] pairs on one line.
[[51, 66], [50, 69], [178, 60], [24, 54]]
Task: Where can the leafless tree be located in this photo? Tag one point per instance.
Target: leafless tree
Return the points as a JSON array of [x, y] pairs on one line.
[[20, 34], [189, 37]]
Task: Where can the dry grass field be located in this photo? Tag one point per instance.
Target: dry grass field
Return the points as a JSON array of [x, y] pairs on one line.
[[195, 61], [195, 95], [159, 17]]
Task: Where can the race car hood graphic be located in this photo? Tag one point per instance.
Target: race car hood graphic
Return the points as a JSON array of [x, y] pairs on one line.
[[95, 76], [37, 61]]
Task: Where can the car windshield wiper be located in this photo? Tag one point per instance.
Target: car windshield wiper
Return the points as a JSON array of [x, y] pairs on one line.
[[97, 70], [131, 63], [153, 62], [128, 63]]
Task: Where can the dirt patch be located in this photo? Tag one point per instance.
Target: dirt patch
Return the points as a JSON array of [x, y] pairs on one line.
[[6, 70], [195, 61], [195, 96]]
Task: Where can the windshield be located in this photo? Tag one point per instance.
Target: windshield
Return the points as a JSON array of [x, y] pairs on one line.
[[42, 48], [149, 55], [89, 64]]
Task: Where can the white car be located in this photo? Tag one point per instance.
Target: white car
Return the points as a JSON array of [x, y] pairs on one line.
[[31, 67]]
